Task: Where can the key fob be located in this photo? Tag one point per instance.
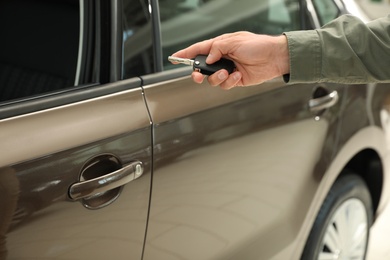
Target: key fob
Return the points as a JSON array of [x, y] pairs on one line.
[[208, 69]]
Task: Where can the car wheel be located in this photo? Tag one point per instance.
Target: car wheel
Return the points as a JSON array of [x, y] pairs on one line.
[[341, 229]]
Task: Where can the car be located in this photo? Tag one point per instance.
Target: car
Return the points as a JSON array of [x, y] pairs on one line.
[[109, 151]]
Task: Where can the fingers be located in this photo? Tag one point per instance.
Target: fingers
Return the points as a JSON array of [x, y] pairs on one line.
[[220, 78], [214, 48], [232, 81], [197, 77], [224, 80]]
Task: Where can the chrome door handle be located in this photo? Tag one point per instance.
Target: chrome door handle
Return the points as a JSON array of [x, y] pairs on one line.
[[317, 104], [85, 189]]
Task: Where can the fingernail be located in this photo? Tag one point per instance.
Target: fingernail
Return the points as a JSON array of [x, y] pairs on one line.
[[222, 75], [209, 57], [236, 76]]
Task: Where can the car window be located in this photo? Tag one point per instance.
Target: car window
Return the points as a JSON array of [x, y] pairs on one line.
[[39, 47], [188, 21], [327, 10], [138, 56]]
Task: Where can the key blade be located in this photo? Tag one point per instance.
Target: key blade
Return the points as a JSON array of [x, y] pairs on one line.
[[181, 60]]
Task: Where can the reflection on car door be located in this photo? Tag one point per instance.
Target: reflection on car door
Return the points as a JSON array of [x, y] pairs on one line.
[[234, 171], [46, 153]]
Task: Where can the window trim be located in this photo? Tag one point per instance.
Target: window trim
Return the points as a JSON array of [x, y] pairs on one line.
[[154, 19], [98, 56], [156, 37], [81, 42], [312, 13], [65, 97], [88, 57], [116, 36]]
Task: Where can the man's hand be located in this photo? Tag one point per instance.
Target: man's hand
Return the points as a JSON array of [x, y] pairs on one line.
[[258, 58]]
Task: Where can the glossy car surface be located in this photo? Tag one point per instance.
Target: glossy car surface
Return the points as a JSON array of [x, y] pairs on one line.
[[110, 152]]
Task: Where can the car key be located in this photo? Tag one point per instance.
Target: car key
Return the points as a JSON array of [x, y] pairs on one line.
[[199, 64]]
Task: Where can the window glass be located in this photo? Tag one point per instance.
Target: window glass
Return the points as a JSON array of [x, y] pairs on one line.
[[137, 39], [327, 10], [188, 21], [39, 46]]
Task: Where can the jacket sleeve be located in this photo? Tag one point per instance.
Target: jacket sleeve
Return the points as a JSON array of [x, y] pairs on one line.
[[345, 50]]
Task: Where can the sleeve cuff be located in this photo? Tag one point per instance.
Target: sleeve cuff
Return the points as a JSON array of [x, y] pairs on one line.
[[305, 57]]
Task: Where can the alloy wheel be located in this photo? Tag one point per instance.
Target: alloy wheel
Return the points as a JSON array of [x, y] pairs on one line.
[[347, 233]]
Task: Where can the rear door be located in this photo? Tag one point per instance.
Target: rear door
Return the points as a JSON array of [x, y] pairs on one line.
[[75, 149], [234, 171]]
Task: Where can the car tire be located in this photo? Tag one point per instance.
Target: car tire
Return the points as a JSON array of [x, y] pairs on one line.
[[341, 229]]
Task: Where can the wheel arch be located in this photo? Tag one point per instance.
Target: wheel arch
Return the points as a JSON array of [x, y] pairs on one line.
[[362, 153], [368, 165]]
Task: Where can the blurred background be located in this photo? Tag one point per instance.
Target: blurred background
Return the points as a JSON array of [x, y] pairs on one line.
[[375, 8]]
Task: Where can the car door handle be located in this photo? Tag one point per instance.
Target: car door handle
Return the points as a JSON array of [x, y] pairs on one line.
[[88, 188], [324, 102]]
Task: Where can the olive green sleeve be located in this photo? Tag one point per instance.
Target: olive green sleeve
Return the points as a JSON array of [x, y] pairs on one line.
[[344, 51]]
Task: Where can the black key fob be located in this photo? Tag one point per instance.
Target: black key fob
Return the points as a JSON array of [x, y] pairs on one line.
[[208, 69]]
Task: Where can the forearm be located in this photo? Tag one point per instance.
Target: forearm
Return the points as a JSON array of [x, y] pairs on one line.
[[344, 51]]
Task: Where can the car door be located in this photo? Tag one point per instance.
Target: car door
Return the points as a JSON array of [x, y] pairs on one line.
[[75, 164], [235, 172]]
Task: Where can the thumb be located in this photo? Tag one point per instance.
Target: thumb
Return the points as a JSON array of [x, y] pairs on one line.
[[220, 46], [214, 55]]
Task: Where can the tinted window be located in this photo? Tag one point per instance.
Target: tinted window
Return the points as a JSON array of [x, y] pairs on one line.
[[188, 21], [327, 10], [137, 39], [39, 47]]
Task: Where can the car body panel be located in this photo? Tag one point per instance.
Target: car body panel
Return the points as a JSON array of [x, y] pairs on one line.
[[363, 128], [235, 177], [373, 101], [46, 153]]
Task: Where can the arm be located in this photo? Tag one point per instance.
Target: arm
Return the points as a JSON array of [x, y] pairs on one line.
[[345, 51]]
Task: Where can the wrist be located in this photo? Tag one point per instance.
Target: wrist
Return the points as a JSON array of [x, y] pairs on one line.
[[282, 55]]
